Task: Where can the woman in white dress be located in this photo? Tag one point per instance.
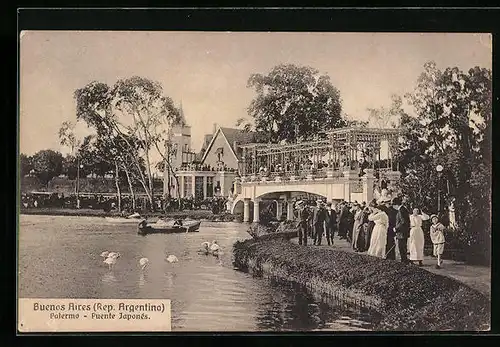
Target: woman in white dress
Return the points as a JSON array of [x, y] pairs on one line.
[[378, 240], [416, 239]]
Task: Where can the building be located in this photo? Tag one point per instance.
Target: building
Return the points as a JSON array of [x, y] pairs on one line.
[[212, 171]]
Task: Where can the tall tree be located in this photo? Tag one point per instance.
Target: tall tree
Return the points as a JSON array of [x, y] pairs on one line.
[[133, 116], [294, 103], [452, 127], [387, 117], [47, 164]]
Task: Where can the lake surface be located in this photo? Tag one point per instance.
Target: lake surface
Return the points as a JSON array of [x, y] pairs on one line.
[[59, 257]]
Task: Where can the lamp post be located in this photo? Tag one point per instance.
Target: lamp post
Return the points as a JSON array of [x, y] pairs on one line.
[[439, 169], [78, 182]]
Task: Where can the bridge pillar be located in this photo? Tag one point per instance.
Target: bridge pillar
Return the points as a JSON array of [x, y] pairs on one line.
[[289, 210], [246, 210], [256, 210], [279, 209], [368, 180], [350, 177]]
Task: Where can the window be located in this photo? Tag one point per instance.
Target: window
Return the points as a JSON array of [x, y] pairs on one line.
[[188, 186], [210, 187], [198, 187]]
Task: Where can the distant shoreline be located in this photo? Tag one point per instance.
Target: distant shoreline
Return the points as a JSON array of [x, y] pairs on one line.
[[192, 214]]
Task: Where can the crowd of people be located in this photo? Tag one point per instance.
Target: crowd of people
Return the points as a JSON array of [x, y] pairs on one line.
[[110, 202], [377, 228], [206, 167]]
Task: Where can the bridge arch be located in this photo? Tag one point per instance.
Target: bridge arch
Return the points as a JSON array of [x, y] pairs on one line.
[[271, 194]]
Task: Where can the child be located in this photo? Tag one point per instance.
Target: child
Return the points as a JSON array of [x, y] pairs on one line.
[[437, 238]]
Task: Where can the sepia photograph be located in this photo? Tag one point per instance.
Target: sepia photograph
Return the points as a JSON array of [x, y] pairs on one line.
[[198, 181]]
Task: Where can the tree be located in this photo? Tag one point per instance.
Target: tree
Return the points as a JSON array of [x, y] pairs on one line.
[[452, 127], [294, 102], [25, 164], [67, 136], [133, 116], [47, 164], [383, 117]]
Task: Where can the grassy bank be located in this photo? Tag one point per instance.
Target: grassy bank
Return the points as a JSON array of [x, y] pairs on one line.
[[407, 297], [192, 214]]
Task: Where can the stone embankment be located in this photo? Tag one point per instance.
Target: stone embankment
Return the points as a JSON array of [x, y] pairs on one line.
[[407, 298]]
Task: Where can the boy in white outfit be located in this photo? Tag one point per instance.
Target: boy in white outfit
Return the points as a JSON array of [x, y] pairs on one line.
[[437, 238]]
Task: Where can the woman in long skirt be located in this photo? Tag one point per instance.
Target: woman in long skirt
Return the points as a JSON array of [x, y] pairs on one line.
[[416, 239], [378, 239], [358, 226]]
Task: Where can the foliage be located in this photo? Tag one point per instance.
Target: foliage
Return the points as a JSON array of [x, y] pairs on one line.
[[294, 103], [452, 128], [131, 119], [387, 117], [407, 297], [25, 164], [47, 164]]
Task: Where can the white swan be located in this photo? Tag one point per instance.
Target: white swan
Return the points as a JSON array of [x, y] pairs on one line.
[[114, 255], [110, 261], [172, 259], [214, 246], [143, 262], [105, 254]]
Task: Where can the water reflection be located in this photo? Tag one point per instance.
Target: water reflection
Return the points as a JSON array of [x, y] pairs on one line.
[[109, 277], [207, 294]]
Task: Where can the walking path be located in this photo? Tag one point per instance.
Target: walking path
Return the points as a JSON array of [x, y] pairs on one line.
[[476, 277]]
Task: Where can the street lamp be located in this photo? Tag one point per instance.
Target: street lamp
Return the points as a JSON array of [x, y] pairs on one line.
[[439, 169], [78, 167]]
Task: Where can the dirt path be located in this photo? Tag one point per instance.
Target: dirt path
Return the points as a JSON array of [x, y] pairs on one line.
[[476, 277]]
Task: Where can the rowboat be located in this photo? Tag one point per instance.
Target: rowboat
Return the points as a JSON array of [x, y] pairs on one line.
[[170, 227], [121, 220]]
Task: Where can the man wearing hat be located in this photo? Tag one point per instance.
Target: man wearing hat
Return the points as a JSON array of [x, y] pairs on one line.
[[303, 214], [319, 217], [402, 228], [391, 213], [343, 220]]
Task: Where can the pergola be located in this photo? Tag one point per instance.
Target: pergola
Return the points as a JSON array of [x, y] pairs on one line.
[[340, 149]]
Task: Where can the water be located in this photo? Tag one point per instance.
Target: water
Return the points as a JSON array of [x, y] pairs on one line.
[[59, 257]]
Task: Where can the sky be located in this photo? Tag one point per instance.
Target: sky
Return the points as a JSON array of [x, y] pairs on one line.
[[208, 71]]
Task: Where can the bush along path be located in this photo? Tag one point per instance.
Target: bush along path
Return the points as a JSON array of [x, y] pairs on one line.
[[407, 297]]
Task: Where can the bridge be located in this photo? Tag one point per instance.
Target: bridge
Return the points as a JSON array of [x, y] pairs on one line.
[[351, 164]]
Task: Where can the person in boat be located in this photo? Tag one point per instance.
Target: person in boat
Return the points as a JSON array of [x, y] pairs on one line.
[[178, 223]]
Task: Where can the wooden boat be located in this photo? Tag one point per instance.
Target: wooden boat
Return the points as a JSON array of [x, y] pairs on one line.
[[168, 228], [121, 220]]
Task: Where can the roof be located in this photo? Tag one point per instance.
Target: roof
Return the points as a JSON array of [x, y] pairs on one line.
[[231, 135]]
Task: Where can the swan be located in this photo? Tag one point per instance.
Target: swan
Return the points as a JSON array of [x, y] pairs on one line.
[[114, 255], [105, 254], [214, 246], [143, 262], [110, 261], [172, 259]]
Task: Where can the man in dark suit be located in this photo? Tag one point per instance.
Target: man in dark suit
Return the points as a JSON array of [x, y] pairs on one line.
[[303, 216], [343, 220], [390, 248], [331, 223], [402, 227], [319, 217]]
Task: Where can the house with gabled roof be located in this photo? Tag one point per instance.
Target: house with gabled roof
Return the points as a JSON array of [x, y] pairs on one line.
[[213, 171]]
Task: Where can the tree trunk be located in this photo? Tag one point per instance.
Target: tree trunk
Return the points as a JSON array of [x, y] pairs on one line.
[[150, 182], [117, 183], [130, 187]]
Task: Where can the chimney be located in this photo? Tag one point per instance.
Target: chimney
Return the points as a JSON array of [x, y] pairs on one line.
[[235, 146], [215, 128]]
